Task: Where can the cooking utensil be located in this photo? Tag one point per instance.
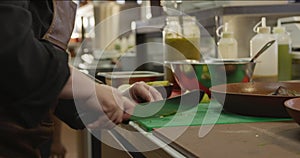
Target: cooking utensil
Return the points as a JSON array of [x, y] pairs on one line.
[[167, 107], [292, 106], [254, 98], [265, 47], [191, 74]]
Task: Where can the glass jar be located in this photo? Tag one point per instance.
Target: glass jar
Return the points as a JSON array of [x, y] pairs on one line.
[[182, 41]]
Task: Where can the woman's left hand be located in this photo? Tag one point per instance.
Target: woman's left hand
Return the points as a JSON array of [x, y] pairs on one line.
[[141, 92]]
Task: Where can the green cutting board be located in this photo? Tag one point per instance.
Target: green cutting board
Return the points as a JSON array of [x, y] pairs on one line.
[[197, 116]]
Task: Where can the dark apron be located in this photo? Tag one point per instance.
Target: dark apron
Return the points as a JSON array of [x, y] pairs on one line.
[[16, 141]]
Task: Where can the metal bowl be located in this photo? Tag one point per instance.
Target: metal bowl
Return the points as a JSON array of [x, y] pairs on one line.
[[191, 74]]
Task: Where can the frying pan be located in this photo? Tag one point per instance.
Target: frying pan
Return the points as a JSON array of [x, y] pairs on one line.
[[254, 98]]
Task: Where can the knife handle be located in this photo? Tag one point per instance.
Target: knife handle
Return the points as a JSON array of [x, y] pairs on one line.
[[126, 122]]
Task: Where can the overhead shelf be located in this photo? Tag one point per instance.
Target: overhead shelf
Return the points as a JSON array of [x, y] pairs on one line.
[[156, 24]]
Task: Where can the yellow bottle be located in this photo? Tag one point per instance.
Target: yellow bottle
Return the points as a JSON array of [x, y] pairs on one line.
[[182, 41]]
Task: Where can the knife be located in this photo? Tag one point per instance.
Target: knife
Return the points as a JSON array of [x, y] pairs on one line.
[[167, 107]]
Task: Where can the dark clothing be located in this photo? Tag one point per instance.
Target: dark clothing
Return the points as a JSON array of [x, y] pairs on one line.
[[34, 70]]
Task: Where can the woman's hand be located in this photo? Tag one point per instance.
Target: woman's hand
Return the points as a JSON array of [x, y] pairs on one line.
[[141, 92], [118, 107], [104, 106], [111, 106]]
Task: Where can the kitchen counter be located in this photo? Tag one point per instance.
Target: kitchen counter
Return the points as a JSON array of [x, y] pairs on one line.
[[248, 140], [259, 140]]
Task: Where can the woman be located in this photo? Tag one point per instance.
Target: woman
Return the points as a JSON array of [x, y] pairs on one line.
[[36, 77]]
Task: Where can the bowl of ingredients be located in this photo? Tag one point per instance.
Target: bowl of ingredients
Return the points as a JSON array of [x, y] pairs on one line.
[[292, 106], [263, 99], [191, 74]]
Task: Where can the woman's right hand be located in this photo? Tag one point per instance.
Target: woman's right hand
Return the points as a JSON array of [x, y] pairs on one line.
[[111, 105], [104, 106], [99, 105]]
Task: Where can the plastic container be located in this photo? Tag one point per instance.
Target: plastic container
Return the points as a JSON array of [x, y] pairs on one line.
[[284, 53], [267, 64], [182, 41], [227, 45]]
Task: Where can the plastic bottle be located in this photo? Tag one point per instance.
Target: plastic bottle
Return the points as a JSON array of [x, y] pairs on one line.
[[284, 53], [171, 32], [266, 68], [182, 41], [227, 45]]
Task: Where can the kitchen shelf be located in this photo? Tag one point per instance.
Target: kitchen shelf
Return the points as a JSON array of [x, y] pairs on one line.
[[148, 26], [156, 24]]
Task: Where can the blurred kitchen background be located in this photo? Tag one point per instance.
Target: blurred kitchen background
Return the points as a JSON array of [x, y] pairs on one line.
[[117, 35], [118, 43]]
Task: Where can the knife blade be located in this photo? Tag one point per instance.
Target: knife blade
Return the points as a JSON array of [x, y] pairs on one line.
[[169, 106]]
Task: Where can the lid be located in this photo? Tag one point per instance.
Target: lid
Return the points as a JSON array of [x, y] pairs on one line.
[[279, 29], [226, 33], [263, 28]]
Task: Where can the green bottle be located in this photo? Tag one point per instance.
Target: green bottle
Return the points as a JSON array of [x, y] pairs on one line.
[[284, 53]]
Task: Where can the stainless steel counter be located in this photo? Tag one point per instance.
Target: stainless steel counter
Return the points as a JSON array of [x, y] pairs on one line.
[[268, 139]]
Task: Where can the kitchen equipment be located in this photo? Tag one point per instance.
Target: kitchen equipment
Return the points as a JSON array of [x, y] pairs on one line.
[[167, 107], [116, 79], [191, 74], [201, 118], [284, 52], [254, 98], [263, 49], [214, 71], [292, 106], [227, 45], [267, 66], [181, 36], [293, 27]]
